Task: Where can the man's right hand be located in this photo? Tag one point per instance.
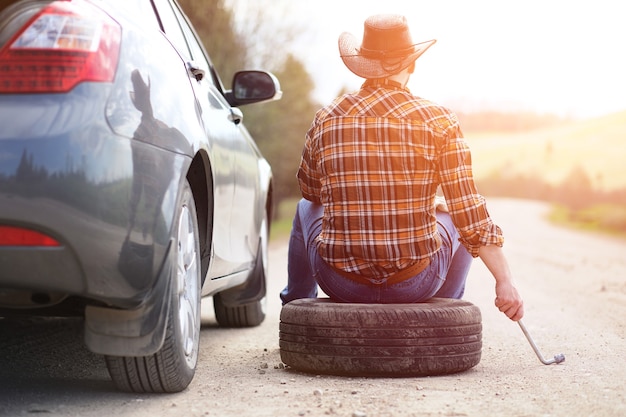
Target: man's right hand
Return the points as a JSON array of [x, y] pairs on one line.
[[509, 301]]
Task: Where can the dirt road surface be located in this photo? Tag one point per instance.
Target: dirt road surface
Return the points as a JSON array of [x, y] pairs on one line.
[[574, 286]]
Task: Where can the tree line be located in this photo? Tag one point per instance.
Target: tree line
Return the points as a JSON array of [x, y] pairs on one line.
[[279, 127], [506, 122]]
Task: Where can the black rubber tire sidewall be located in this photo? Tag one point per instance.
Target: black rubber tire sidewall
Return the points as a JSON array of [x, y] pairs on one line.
[[167, 370], [440, 336]]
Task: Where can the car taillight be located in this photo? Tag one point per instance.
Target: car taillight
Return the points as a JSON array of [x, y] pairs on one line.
[[64, 44], [17, 236]]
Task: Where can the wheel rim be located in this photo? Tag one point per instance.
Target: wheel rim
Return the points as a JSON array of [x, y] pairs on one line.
[[187, 276]]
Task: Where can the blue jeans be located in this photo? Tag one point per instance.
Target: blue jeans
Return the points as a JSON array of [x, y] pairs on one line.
[[444, 277]]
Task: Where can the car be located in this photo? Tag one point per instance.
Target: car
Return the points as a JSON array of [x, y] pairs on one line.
[[130, 189]]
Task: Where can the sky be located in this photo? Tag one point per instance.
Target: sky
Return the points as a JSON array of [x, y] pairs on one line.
[[547, 56]]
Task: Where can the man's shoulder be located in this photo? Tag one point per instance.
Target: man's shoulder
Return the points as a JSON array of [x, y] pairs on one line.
[[395, 103], [424, 104], [428, 111], [340, 106]]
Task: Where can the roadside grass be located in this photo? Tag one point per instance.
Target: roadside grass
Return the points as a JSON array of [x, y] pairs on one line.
[[573, 159], [596, 146], [281, 225], [609, 219], [578, 160]]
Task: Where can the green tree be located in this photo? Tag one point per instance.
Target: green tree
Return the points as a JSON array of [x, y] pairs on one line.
[[280, 127], [576, 191], [257, 37], [215, 25], [267, 31]]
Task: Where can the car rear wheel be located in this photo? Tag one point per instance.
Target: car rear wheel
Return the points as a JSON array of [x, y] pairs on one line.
[[439, 336], [172, 368], [244, 306]]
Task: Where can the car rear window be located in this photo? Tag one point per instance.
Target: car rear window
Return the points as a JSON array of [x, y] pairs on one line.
[[172, 28]]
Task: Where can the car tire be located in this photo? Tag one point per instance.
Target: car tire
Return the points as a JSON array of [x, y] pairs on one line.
[[245, 306], [439, 336], [172, 368], [244, 315]]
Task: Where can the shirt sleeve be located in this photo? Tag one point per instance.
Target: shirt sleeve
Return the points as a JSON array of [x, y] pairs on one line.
[[308, 172], [467, 207]]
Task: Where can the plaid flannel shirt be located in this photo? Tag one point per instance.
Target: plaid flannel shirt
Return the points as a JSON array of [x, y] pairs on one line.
[[375, 159]]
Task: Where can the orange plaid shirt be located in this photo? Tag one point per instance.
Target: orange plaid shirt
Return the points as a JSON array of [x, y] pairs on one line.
[[375, 159]]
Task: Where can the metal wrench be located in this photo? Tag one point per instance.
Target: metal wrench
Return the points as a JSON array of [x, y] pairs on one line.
[[557, 358]]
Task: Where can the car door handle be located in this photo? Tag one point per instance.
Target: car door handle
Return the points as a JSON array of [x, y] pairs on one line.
[[235, 116], [195, 70]]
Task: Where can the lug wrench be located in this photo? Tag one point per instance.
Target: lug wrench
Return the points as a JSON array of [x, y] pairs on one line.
[[557, 358]]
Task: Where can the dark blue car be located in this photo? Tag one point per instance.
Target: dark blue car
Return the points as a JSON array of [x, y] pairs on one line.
[[129, 186]]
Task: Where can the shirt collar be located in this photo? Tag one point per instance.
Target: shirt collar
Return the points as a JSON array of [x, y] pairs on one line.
[[385, 83]]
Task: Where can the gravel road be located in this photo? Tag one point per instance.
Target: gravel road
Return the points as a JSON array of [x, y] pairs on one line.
[[574, 286]]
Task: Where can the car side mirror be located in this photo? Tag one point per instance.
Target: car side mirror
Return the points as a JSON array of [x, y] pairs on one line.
[[253, 87]]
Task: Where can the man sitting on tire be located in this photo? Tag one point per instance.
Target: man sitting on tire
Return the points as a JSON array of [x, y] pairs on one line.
[[370, 228]]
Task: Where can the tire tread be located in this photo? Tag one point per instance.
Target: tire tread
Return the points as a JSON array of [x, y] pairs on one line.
[[440, 336], [245, 315]]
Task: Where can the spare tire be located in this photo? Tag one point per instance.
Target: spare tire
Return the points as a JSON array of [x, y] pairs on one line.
[[439, 336]]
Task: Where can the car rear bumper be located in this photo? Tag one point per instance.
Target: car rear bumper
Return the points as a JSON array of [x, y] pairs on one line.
[[109, 200], [95, 259]]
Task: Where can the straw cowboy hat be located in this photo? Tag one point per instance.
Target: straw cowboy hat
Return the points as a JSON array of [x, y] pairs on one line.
[[386, 49]]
